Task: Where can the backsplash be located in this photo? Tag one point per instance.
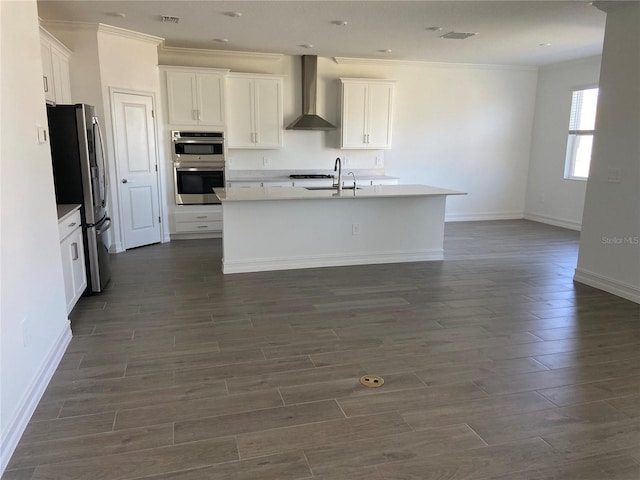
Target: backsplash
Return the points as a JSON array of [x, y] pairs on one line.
[[305, 150]]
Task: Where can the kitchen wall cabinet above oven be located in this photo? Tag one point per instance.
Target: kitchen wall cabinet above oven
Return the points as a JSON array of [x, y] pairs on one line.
[[195, 96], [55, 69], [366, 113], [254, 116]]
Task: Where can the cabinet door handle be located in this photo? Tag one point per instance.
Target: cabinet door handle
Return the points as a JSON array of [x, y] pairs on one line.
[[257, 137], [74, 248], [72, 224], [201, 216], [198, 114], [203, 226], [46, 83]]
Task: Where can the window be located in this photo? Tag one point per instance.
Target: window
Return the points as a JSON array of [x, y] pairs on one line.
[[581, 128]]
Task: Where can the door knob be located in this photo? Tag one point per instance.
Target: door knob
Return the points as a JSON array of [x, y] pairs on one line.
[[124, 180]]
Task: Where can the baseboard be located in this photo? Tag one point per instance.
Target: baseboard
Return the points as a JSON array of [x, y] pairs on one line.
[[555, 221], [16, 426], [478, 217], [263, 265], [116, 248], [621, 289]]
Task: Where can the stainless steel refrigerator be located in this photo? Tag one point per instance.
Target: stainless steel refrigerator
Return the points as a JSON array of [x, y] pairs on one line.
[[80, 178]]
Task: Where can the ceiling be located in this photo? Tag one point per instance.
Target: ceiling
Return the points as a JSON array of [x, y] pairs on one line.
[[507, 32]]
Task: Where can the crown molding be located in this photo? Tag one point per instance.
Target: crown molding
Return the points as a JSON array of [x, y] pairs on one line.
[[254, 75], [570, 63], [55, 41], [104, 28], [415, 63], [224, 54], [180, 68]]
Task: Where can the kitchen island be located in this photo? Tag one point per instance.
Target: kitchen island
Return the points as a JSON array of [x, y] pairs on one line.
[[281, 228]]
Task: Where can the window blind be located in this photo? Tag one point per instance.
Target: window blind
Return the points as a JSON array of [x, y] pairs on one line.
[[583, 111]]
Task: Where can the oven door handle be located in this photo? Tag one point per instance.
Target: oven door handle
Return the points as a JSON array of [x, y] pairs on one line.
[[213, 141], [199, 169]]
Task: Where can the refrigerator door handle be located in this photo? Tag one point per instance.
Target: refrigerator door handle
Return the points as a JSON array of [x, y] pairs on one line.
[[96, 122], [106, 225]]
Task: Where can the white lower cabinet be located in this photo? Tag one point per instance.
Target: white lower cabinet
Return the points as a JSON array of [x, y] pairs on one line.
[[285, 183], [243, 184], [73, 266], [257, 184], [206, 219]]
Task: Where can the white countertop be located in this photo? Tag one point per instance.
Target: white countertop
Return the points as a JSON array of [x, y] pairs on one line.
[[300, 193], [66, 210], [283, 175], [286, 178]]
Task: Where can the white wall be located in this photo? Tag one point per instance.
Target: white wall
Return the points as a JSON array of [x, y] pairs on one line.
[[31, 281], [463, 127], [130, 65], [106, 59], [550, 197], [610, 240]]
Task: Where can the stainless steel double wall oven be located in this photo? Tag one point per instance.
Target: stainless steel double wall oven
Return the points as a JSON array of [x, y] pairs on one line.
[[198, 166]]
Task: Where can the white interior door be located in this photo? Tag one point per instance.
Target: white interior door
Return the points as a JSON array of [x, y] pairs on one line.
[[137, 165]]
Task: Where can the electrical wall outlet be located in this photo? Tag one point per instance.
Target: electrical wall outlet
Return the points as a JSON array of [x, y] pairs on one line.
[[355, 229], [614, 175], [266, 161], [378, 161], [345, 161]]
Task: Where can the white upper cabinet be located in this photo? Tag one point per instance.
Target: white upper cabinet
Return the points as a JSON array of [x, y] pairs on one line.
[[55, 69], [367, 113], [195, 96], [254, 118]]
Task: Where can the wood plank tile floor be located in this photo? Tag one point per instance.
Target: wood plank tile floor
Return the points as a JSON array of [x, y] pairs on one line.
[[497, 366]]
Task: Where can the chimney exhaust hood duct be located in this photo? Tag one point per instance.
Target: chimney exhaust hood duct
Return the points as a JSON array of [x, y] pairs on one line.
[[309, 120]]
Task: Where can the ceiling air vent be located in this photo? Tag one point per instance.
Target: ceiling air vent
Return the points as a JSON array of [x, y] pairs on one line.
[[457, 35], [169, 19]]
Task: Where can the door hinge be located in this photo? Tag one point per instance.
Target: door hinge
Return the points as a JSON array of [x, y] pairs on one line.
[[159, 220], [156, 167], [153, 114]]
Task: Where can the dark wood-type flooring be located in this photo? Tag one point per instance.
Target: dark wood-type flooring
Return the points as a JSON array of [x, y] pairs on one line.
[[497, 366]]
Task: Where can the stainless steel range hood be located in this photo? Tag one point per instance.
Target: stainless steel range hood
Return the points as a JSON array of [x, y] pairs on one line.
[[309, 120]]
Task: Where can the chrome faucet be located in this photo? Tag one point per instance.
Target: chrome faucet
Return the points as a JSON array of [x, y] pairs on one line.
[[354, 179], [338, 167]]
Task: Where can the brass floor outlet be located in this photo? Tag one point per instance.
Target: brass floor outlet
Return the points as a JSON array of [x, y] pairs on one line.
[[372, 381]]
